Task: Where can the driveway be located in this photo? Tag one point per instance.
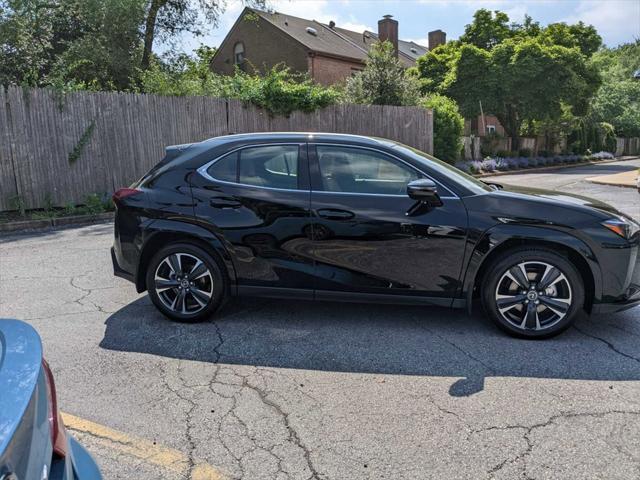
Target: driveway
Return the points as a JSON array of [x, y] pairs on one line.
[[274, 389]]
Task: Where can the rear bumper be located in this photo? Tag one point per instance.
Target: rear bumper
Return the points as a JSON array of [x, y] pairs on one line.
[[118, 271], [84, 466], [76, 465]]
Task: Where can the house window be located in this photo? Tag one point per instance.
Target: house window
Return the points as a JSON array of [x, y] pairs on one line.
[[238, 54], [491, 129]]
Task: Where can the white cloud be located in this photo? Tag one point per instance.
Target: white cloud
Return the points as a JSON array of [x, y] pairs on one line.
[[420, 41], [616, 20]]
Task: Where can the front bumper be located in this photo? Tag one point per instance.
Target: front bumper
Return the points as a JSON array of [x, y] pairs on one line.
[[632, 299]]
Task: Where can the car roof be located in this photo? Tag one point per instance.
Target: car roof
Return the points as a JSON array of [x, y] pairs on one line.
[[300, 136]]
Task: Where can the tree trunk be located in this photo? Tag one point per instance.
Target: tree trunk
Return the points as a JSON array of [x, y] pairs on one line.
[[149, 31], [511, 124]]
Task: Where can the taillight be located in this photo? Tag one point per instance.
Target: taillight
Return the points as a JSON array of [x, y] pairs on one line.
[[123, 193], [58, 433]]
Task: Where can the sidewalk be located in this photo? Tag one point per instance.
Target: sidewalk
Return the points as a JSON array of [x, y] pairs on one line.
[[624, 179]]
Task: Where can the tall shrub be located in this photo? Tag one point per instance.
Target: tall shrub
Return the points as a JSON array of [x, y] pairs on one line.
[[384, 80], [448, 126]]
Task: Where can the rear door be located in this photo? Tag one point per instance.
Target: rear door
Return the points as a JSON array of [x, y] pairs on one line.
[[257, 199], [364, 241]]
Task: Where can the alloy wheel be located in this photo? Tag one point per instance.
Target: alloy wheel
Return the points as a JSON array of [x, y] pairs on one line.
[[533, 295], [183, 283]]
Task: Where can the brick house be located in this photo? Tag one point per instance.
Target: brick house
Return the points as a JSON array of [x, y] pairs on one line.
[[259, 40]]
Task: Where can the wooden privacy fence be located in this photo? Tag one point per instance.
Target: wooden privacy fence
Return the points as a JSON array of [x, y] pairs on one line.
[[56, 150]]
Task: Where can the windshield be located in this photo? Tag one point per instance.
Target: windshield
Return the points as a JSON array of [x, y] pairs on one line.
[[467, 181]]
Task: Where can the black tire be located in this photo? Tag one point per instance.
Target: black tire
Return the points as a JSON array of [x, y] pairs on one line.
[[194, 291], [547, 311]]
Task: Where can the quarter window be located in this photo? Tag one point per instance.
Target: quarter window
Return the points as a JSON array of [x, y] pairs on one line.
[[268, 166], [356, 170]]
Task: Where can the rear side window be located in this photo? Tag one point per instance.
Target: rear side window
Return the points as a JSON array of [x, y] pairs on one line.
[[267, 166]]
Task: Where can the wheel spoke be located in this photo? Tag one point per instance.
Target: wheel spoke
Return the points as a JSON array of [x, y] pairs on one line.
[[198, 298], [558, 305], [199, 270], [201, 294], [519, 275], [551, 275], [505, 302], [182, 301], [175, 262], [164, 284], [531, 320]]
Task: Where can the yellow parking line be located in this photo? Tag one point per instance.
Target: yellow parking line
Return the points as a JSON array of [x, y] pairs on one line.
[[167, 458]]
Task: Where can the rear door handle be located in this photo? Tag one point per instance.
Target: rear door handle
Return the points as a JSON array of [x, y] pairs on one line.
[[335, 214]]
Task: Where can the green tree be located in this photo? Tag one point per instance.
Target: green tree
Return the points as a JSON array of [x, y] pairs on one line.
[[520, 73], [487, 29], [168, 18], [585, 37], [448, 126], [384, 81], [77, 41], [107, 54], [618, 99]]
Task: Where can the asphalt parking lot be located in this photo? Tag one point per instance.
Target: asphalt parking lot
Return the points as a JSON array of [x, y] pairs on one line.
[[274, 389]]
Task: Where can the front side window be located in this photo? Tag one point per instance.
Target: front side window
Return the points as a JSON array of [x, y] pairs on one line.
[[266, 166], [356, 170]]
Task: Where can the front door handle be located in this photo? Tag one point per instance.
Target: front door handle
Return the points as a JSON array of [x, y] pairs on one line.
[[335, 214]]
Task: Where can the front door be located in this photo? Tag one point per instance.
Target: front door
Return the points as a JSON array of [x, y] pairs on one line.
[[363, 240]]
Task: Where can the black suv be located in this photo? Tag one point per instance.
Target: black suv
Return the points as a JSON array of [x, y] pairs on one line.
[[344, 217]]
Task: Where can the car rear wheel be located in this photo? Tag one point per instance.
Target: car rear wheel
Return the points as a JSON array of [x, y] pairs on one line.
[[185, 282], [533, 293]]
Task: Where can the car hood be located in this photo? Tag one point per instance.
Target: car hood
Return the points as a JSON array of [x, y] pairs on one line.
[[560, 198]]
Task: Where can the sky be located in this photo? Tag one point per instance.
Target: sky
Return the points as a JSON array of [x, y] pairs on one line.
[[617, 21]]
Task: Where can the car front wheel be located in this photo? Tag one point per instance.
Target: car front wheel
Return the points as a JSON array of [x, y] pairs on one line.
[[533, 293], [185, 283]]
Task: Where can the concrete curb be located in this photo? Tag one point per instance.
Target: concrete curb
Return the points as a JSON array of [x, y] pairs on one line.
[[552, 167], [54, 223]]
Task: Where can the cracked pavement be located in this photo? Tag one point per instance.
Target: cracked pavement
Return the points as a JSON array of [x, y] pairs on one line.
[[274, 389]]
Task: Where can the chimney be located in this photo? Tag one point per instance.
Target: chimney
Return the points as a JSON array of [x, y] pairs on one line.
[[388, 30], [437, 38]]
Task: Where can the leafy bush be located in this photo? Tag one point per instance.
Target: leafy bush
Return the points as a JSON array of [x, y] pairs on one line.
[[512, 162], [502, 164], [523, 162], [503, 153], [475, 166], [464, 166], [488, 164], [279, 91], [524, 152], [448, 126], [602, 156]]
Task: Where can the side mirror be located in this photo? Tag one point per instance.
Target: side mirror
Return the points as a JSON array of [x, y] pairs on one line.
[[425, 191]]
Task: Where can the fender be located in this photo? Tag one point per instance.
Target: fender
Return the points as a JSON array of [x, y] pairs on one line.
[[179, 229], [496, 236]]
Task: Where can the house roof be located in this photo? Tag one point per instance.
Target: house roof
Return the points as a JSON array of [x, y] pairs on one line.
[[336, 40]]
